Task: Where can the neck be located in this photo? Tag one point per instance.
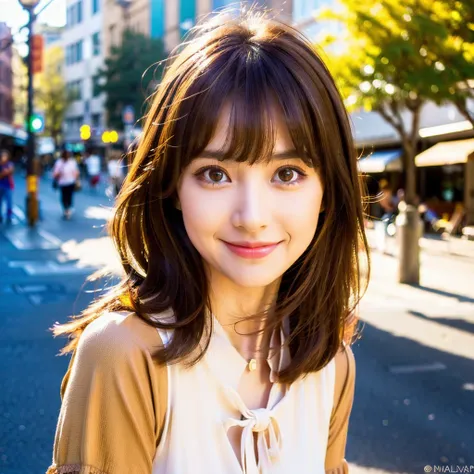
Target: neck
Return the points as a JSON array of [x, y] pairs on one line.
[[232, 305]]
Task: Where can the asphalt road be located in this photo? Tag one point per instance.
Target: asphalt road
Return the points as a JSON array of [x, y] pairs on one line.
[[414, 403]]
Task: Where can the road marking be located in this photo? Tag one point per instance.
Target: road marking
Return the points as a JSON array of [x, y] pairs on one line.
[[24, 238], [50, 238], [18, 212], [411, 369]]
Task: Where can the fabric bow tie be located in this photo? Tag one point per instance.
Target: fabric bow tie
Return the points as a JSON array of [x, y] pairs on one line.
[[269, 439]]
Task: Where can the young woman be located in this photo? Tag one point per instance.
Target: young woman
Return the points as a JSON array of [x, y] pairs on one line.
[[66, 173], [240, 228], [6, 185]]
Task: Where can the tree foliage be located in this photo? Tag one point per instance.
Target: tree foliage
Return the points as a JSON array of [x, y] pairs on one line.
[[397, 55], [20, 86], [51, 95], [130, 74]]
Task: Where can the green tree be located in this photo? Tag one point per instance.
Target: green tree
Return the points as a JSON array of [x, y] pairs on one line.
[[397, 56], [130, 73], [51, 95]]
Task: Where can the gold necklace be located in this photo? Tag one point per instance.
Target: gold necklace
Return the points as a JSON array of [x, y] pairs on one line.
[[252, 365]]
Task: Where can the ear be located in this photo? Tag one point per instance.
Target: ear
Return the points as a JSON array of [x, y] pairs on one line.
[[177, 204]]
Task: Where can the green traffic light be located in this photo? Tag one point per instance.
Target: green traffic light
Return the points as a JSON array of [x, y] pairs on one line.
[[36, 123]]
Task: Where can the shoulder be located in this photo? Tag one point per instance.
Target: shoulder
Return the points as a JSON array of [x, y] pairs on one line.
[[118, 336], [345, 361], [345, 374]]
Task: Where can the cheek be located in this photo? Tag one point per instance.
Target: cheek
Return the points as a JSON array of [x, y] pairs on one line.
[[301, 214], [201, 211]]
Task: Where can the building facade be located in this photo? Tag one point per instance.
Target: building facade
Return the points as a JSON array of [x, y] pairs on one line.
[[52, 35], [6, 77], [82, 41], [169, 20]]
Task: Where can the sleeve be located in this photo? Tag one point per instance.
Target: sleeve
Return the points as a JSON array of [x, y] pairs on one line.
[[343, 399], [113, 405]]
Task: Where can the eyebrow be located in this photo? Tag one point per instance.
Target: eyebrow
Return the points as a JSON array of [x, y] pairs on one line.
[[219, 155]]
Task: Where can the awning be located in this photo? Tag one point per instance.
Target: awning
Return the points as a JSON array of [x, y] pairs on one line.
[[6, 129], [380, 161], [446, 153]]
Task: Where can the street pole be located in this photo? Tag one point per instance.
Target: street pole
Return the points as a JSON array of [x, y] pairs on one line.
[[32, 207]]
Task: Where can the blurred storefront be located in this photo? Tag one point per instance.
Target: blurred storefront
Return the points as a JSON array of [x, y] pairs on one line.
[[447, 177], [381, 165]]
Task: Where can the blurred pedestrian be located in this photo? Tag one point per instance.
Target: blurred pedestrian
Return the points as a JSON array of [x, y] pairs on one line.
[[6, 185], [241, 254], [387, 212], [115, 170], [92, 162], [66, 174]]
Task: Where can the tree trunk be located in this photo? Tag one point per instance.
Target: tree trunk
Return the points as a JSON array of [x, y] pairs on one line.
[[408, 220]]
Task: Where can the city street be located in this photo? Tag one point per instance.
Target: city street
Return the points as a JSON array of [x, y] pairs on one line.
[[414, 401]]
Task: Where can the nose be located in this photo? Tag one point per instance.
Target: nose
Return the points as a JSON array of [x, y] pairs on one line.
[[252, 209]]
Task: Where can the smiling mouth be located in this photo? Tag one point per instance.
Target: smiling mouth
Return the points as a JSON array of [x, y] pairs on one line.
[[252, 250]]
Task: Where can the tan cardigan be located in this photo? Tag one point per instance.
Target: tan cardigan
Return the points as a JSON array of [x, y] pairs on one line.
[[114, 397]]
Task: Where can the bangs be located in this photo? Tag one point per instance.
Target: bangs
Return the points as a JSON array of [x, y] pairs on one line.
[[257, 89]]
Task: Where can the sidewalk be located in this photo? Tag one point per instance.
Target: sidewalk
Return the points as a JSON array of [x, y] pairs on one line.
[[433, 244], [444, 298]]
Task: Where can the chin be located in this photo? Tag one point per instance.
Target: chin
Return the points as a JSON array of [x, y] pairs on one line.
[[250, 279]]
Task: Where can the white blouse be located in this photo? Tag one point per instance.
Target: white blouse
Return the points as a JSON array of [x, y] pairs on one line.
[[68, 171], [203, 403]]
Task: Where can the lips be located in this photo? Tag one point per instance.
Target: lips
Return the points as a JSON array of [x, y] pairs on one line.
[[252, 249]]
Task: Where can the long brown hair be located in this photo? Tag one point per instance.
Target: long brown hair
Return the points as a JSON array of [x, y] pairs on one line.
[[254, 62]]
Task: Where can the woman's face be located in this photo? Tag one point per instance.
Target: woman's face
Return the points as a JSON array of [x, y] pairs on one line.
[[229, 206]]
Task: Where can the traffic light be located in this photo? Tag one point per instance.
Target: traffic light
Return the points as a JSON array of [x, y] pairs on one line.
[[113, 136], [85, 132], [36, 124], [37, 48], [110, 136]]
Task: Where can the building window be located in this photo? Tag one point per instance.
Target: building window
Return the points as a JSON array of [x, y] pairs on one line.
[[95, 120], [79, 89], [68, 55], [95, 6], [74, 53], [95, 86], [74, 14], [96, 44], [79, 11], [79, 51], [74, 89]]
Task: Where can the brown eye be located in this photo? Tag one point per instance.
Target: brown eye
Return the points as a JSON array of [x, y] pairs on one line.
[[285, 174], [290, 175], [212, 175], [216, 175]]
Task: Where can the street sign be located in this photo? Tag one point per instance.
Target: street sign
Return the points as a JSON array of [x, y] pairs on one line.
[[37, 49], [128, 115]]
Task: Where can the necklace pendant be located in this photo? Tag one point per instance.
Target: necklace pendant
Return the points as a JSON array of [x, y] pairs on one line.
[[252, 365]]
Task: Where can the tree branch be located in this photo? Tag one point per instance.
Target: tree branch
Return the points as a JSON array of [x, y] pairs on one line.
[[463, 110], [391, 121]]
